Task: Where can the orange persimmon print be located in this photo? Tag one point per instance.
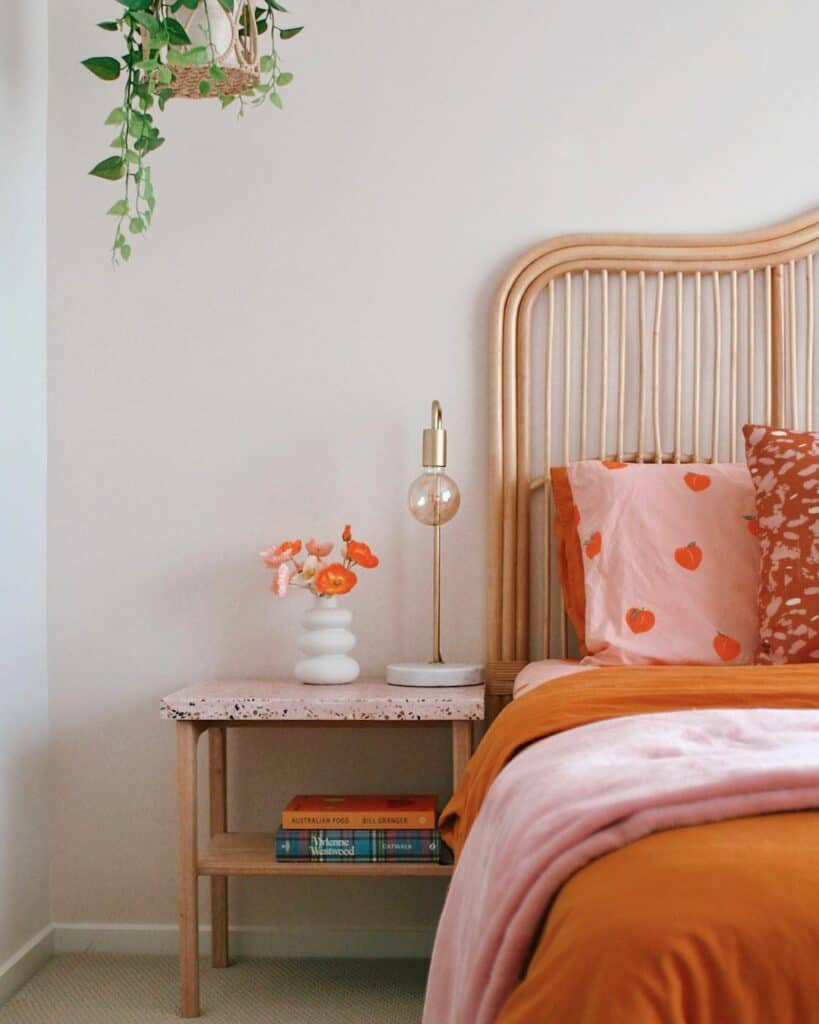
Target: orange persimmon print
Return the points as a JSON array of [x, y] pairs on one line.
[[614, 464], [689, 557], [640, 620], [726, 647], [593, 545], [335, 579], [697, 481], [752, 524]]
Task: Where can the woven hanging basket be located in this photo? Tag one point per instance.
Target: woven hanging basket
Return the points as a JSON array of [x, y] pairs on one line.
[[186, 82], [232, 38]]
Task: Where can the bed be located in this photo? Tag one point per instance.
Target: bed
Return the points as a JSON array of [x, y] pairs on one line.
[[633, 350]]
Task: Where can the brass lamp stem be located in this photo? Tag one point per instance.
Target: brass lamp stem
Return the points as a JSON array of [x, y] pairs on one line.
[[433, 459], [436, 598]]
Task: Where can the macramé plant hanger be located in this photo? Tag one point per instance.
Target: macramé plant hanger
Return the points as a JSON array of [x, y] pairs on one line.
[[193, 49]]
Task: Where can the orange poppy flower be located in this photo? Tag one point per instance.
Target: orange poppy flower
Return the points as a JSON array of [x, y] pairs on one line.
[[335, 579], [359, 552]]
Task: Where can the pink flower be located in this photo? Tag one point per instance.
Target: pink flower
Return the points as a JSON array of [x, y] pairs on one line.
[[282, 580], [274, 557], [318, 549], [312, 566]]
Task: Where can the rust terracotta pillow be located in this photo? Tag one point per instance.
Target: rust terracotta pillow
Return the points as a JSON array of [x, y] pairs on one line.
[[784, 467], [569, 553]]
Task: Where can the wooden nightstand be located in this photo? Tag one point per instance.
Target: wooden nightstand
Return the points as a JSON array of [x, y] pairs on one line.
[[215, 707]]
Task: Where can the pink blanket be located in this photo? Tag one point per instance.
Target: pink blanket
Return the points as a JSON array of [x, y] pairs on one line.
[[573, 797]]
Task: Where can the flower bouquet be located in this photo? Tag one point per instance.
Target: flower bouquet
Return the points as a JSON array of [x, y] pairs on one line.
[[327, 638]]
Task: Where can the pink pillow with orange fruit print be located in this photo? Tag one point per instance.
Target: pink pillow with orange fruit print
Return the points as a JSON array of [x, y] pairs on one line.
[[671, 562]]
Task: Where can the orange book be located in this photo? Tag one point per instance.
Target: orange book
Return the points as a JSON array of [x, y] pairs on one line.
[[384, 812]]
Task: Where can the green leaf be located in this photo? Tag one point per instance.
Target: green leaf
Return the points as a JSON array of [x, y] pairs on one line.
[[217, 73], [131, 156], [147, 21], [158, 39], [276, 100], [176, 32], [147, 65], [109, 26], [137, 226], [117, 116], [288, 33], [119, 241], [118, 141], [138, 122], [137, 5], [204, 87], [285, 78], [189, 58], [111, 169], [106, 68], [125, 252], [226, 101], [267, 63], [277, 6], [164, 76], [119, 209], [228, 5]]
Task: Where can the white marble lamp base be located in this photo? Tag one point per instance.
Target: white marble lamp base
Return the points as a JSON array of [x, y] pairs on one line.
[[423, 673]]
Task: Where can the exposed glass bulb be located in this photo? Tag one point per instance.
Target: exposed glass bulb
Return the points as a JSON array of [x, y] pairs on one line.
[[433, 498]]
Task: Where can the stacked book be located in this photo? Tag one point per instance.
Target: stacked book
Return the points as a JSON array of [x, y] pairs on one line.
[[396, 829]]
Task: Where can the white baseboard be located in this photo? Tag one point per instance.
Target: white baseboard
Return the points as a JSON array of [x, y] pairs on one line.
[[26, 961], [248, 941]]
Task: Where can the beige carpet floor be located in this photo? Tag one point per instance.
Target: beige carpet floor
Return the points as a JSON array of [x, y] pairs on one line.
[[100, 989]]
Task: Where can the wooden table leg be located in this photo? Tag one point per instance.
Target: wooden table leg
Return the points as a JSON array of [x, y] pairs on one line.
[[187, 734], [461, 749], [217, 736]]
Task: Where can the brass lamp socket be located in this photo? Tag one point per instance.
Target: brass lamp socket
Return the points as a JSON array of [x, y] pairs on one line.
[[433, 455]]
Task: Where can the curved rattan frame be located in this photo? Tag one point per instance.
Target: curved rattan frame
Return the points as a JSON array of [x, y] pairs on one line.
[[771, 250]]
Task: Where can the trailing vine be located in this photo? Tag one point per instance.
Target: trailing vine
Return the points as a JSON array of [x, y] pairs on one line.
[[158, 47]]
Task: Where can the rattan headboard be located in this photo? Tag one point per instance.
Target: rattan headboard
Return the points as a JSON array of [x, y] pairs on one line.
[[639, 347]]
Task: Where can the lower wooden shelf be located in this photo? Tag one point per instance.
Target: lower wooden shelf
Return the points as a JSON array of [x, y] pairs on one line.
[[254, 853]]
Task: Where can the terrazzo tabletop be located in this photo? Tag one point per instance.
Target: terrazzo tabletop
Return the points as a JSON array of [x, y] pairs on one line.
[[363, 700]]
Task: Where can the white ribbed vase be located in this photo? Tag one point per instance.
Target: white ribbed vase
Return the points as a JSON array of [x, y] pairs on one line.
[[326, 642]]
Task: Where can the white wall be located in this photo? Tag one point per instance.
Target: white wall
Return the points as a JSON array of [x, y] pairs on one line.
[[264, 365], [24, 867]]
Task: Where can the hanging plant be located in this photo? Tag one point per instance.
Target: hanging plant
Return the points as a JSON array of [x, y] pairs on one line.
[[196, 49]]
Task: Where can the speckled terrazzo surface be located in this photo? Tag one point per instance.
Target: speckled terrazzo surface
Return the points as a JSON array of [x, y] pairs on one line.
[[362, 701]]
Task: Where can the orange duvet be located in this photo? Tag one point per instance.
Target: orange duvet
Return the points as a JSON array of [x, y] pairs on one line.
[[712, 924]]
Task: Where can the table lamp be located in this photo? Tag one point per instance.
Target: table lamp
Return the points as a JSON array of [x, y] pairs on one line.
[[434, 499]]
